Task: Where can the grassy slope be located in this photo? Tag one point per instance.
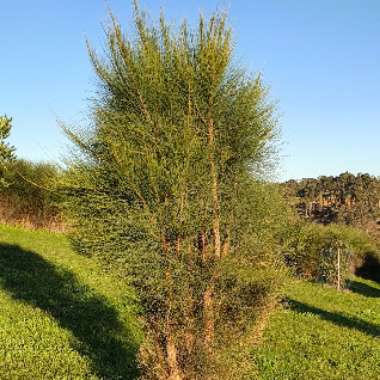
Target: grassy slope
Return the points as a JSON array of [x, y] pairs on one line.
[[61, 317], [322, 334]]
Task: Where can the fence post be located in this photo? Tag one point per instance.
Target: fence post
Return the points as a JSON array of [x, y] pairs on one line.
[[339, 287]]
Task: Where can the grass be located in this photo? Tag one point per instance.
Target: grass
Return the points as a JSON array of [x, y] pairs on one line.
[[63, 317], [322, 334]]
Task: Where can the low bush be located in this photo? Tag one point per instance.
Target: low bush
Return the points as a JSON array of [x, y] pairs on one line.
[[27, 196], [327, 253]]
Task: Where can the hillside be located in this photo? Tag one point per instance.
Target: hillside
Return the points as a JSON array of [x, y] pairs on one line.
[[322, 334], [62, 317]]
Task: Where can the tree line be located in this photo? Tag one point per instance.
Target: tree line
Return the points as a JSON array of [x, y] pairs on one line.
[[347, 198]]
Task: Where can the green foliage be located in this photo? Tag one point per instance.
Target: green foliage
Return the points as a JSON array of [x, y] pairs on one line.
[[29, 197], [26, 195], [322, 334], [339, 202], [62, 316], [163, 189], [6, 151], [346, 199], [312, 250]]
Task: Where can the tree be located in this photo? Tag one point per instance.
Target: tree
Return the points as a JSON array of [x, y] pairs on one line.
[[6, 151], [165, 187]]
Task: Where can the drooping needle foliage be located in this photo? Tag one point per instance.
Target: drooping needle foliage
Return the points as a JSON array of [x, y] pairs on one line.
[[165, 188]]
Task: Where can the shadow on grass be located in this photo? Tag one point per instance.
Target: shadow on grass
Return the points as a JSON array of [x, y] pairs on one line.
[[364, 289], [101, 336], [369, 268], [336, 318]]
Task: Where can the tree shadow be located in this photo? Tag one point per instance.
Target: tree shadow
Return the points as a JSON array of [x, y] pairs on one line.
[[108, 344], [369, 268], [336, 318], [364, 289]]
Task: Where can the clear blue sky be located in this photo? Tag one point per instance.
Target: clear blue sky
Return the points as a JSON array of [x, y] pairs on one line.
[[320, 58]]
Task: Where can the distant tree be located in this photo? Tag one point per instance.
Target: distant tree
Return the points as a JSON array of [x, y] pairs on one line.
[[348, 199], [6, 150], [166, 189]]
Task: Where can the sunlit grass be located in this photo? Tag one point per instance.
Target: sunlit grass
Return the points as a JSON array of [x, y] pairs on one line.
[[61, 317], [322, 334]]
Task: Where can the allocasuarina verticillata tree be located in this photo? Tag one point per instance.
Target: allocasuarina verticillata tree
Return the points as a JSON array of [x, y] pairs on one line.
[[166, 189]]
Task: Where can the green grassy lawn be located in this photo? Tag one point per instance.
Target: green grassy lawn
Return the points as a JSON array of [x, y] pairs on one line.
[[62, 317], [322, 334]]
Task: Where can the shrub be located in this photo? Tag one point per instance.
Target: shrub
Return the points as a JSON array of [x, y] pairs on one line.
[[29, 197], [327, 253]]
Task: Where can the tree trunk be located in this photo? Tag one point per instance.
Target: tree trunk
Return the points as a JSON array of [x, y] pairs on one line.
[[214, 189], [208, 300], [203, 246], [171, 352], [208, 296], [171, 349], [209, 317], [225, 247]]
